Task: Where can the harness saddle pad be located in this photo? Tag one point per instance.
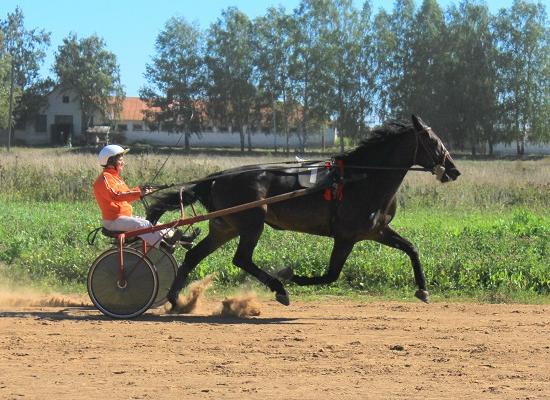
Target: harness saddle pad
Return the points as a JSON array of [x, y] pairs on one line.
[[313, 175]]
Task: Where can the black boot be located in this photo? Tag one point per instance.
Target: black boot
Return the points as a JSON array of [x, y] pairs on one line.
[[190, 237], [187, 240], [170, 248], [169, 243]]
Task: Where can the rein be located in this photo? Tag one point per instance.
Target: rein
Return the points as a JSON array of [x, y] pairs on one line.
[[438, 169]]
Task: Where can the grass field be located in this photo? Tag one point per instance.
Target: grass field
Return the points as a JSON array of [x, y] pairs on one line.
[[485, 235]]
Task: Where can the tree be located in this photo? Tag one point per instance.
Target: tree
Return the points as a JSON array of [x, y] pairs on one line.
[[351, 69], [26, 50], [87, 67], [426, 81], [384, 45], [311, 64], [175, 79], [272, 60], [231, 90], [394, 46], [524, 72], [366, 64], [471, 75], [5, 67]]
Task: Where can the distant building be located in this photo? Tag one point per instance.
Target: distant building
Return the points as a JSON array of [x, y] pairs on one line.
[[58, 121], [61, 119]]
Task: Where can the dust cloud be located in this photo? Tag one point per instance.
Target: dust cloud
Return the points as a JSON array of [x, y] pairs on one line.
[[11, 296], [243, 305], [189, 303]]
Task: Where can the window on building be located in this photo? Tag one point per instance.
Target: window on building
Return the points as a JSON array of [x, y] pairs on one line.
[[122, 127], [41, 123], [65, 99], [137, 127]]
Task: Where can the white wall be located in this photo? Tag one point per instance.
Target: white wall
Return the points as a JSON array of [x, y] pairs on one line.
[[226, 139], [502, 149]]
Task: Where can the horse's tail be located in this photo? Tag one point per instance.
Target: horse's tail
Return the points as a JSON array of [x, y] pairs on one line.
[[170, 200]]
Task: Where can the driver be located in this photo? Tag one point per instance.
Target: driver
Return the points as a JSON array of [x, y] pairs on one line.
[[113, 197]]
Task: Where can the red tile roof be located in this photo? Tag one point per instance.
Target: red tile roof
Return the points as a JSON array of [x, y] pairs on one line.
[[132, 109]]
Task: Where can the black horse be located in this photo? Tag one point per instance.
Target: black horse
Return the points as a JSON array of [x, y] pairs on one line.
[[364, 205]]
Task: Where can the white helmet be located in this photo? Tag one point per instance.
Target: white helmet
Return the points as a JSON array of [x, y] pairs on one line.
[[109, 151]]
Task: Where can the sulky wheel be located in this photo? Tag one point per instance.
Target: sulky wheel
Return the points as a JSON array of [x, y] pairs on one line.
[[166, 267], [126, 298]]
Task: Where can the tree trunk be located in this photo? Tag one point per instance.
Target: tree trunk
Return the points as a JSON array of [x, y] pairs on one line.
[[10, 116], [241, 136], [285, 122], [187, 145], [248, 138], [287, 140], [305, 118], [341, 135], [274, 112]]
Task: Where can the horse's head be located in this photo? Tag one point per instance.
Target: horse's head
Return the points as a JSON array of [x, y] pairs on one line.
[[432, 154]]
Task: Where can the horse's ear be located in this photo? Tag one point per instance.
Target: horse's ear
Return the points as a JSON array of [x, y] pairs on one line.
[[419, 125]]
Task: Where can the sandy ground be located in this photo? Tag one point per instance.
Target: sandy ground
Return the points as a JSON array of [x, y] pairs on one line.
[[323, 349]]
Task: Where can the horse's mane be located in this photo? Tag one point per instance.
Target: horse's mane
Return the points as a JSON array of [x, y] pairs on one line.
[[378, 136], [387, 131]]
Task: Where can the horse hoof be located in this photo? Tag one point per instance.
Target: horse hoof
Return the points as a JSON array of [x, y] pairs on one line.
[[285, 273], [283, 298], [422, 295], [172, 299]]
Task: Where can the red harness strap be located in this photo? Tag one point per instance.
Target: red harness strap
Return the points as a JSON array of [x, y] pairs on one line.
[[336, 191], [327, 195]]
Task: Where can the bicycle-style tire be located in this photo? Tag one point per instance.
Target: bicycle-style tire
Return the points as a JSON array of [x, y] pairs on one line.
[[166, 266], [131, 298]]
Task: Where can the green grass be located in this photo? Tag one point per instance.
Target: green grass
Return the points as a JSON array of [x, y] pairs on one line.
[[484, 236], [489, 256]]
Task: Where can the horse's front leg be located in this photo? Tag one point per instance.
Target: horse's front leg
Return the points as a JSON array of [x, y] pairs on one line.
[[251, 225], [389, 237], [218, 234], [340, 252]]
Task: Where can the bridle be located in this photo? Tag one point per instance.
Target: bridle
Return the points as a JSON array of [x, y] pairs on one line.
[[438, 168]]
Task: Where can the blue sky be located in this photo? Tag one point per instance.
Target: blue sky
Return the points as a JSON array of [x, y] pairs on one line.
[[130, 27]]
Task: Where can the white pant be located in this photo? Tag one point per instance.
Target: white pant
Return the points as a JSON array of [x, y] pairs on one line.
[[133, 223]]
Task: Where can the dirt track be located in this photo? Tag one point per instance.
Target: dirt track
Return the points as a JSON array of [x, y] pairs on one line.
[[327, 349]]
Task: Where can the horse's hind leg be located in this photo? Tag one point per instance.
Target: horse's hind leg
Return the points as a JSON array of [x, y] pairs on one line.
[[340, 252], [391, 238], [218, 234]]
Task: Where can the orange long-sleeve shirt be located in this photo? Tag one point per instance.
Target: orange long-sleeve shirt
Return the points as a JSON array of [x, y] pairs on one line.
[[113, 196]]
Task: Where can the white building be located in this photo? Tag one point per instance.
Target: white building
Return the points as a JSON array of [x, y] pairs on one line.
[[62, 118]]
